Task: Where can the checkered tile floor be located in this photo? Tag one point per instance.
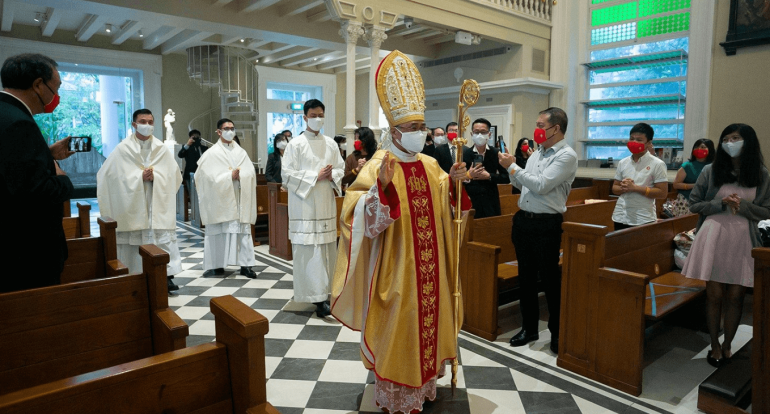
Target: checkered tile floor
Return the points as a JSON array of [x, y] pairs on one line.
[[313, 365]]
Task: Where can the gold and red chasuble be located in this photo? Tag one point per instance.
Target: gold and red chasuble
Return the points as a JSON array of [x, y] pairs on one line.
[[425, 251]]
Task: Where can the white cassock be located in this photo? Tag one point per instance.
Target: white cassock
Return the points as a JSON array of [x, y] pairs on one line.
[[312, 212], [228, 207], [145, 210]]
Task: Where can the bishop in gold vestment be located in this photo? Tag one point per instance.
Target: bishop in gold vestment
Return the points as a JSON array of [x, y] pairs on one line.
[[394, 274]]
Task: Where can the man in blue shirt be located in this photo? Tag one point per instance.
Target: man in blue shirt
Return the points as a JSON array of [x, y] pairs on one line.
[[545, 184]]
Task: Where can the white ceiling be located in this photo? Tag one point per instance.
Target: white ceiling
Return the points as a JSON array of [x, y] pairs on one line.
[[283, 33]]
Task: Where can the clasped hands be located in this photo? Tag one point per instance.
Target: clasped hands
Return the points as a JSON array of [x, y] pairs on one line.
[[628, 185], [147, 174], [733, 201], [325, 173]]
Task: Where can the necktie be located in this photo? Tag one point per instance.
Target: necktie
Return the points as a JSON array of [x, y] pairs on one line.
[[453, 150]]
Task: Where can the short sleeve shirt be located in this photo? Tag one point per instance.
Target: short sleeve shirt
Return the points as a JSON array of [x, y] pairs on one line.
[[634, 209]]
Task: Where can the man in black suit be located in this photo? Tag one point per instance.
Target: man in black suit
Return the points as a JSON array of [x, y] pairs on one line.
[[32, 186], [487, 174], [191, 152], [445, 154]]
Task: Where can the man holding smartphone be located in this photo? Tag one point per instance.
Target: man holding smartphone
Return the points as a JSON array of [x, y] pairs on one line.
[[486, 172]]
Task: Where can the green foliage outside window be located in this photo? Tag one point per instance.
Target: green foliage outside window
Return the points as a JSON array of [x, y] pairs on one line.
[[78, 113]]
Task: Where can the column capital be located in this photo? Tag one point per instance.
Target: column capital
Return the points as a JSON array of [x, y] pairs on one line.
[[351, 31], [375, 35]]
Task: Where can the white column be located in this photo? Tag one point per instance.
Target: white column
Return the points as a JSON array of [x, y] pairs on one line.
[[351, 31], [375, 35]]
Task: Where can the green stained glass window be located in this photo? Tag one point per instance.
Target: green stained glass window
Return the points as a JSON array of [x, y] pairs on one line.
[[616, 33], [613, 14], [664, 25], [600, 1], [650, 7]]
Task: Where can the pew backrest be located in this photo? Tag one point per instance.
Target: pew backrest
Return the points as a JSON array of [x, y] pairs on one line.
[[227, 376], [80, 226], [94, 257], [70, 329]]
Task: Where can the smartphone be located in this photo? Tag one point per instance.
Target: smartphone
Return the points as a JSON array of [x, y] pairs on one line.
[[80, 144], [502, 143], [478, 159]]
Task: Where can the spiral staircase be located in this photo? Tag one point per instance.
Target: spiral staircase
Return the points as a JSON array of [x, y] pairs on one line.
[[236, 78]]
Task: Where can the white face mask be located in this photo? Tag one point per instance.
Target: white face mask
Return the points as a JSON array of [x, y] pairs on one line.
[[414, 141], [733, 148], [315, 124], [281, 145], [440, 139], [479, 139], [228, 135], [145, 129]]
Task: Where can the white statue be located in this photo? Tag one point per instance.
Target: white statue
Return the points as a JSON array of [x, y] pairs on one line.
[[169, 119]]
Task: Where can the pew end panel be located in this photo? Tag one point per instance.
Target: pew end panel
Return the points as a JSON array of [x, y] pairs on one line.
[[209, 378], [583, 246], [278, 222], [80, 226], [169, 331], [479, 289], [760, 361]]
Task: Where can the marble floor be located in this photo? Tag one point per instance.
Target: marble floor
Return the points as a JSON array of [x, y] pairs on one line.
[[313, 364]]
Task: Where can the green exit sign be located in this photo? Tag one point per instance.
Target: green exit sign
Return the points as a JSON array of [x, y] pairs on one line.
[[295, 107]]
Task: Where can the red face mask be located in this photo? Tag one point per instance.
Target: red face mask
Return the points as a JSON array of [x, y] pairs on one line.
[[635, 147], [700, 153], [51, 106], [524, 147], [451, 136], [358, 145], [539, 135]]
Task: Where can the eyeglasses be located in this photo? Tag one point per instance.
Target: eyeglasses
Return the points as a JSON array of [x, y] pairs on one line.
[[481, 131], [228, 129]]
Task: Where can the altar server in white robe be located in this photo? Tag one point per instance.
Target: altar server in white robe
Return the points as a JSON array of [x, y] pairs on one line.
[[136, 186], [312, 171], [227, 193]]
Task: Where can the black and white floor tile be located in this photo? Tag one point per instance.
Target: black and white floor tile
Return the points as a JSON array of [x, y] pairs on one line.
[[313, 365]]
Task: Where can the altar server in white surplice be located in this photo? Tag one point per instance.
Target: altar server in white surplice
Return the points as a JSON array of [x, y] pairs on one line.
[[136, 186], [312, 171], [227, 193]]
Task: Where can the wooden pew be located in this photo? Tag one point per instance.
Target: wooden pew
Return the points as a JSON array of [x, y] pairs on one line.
[[505, 189], [278, 222], [80, 226], [748, 371], [226, 376], [59, 331], [611, 283], [263, 211], [489, 268], [280, 245], [94, 257]]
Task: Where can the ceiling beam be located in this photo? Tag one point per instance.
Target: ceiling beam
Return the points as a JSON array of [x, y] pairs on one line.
[[312, 63], [289, 53], [254, 5], [52, 18], [256, 44], [423, 35], [159, 36], [90, 26], [440, 39], [319, 16], [342, 62], [220, 3], [129, 29], [295, 7], [403, 32], [183, 40], [7, 18], [273, 48], [315, 58]]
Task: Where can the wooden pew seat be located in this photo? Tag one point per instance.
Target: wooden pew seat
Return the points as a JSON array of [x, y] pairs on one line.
[[724, 390], [227, 376], [69, 329]]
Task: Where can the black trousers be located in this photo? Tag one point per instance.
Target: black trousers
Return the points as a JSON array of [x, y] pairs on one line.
[[537, 240], [621, 226]]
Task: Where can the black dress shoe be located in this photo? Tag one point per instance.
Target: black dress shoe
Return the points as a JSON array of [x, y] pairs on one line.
[[171, 285], [716, 363], [322, 309], [246, 271], [214, 272], [523, 337], [555, 345]]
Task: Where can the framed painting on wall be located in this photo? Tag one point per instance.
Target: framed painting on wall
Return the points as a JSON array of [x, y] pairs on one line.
[[749, 25]]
